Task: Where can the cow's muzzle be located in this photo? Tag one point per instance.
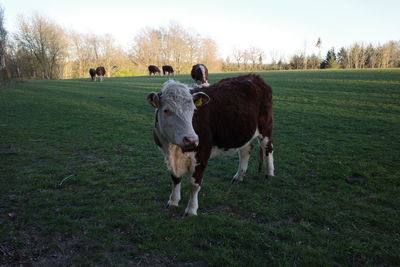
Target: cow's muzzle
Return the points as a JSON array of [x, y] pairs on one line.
[[189, 143]]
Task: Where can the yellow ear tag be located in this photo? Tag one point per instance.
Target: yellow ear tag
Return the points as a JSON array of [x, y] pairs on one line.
[[199, 102]]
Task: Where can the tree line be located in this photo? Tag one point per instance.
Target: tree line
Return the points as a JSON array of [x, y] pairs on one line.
[[360, 56], [356, 56], [41, 48]]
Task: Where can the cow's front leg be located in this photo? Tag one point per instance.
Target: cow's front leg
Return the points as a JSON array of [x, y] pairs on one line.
[[193, 204], [176, 192], [244, 155], [195, 182]]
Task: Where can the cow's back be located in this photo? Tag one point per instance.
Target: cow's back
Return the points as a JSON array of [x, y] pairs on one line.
[[233, 114], [100, 71]]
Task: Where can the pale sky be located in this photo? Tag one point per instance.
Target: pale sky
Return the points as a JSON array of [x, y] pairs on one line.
[[283, 26]]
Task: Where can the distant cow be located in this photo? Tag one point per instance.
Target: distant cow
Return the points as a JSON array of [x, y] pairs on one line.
[[192, 126], [153, 70], [92, 73], [100, 71], [200, 75], [168, 69]]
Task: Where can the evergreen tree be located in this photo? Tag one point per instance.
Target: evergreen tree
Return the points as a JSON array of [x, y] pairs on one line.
[[330, 61], [343, 58]]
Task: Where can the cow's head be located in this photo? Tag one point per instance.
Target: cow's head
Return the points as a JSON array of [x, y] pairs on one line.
[[175, 108]]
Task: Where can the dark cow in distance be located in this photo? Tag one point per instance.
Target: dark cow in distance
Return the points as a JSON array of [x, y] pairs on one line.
[[100, 71], [194, 125], [92, 73], [200, 75], [153, 70], [168, 69]]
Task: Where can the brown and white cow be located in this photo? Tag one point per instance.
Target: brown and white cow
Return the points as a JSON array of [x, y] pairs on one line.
[[153, 70], [100, 71], [200, 75], [92, 73], [192, 126], [168, 69]]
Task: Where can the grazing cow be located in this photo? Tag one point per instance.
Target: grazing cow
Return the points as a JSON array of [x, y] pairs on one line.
[[92, 73], [168, 69], [100, 71], [192, 126], [200, 75], [153, 70]]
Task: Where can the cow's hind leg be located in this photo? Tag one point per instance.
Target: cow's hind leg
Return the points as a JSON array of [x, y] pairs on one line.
[[175, 196], [244, 155], [267, 153]]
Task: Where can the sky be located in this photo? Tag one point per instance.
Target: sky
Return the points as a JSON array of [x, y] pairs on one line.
[[279, 27]]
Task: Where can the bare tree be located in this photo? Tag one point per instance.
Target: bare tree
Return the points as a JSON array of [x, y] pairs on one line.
[[254, 55], [297, 61], [238, 56], [147, 47], [304, 55], [83, 56], [209, 55], [389, 54], [313, 62], [194, 50], [274, 59], [176, 46], [355, 55], [246, 59], [3, 40], [319, 46], [45, 41]]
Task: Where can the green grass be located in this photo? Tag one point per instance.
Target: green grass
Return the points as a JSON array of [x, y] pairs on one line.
[[88, 184]]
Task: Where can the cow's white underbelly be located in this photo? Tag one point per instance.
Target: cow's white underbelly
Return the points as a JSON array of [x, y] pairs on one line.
[[216, 151]]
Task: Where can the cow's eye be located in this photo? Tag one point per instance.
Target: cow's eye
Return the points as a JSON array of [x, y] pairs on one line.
[[167, 112]]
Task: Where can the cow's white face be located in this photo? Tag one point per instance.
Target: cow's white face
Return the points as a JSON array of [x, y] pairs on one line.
[[175, 108]]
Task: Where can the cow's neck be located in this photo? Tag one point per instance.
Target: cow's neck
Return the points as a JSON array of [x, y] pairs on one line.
[[178, 162]]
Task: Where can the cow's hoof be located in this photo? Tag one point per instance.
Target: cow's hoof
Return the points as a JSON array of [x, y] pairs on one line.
[[190, 212], [236, 180], [171, 205]]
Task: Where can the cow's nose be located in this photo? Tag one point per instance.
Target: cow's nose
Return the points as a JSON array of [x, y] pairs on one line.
[[189, 140]]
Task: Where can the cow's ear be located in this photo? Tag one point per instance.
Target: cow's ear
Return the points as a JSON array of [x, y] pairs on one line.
[[154, 99], [200, 99]]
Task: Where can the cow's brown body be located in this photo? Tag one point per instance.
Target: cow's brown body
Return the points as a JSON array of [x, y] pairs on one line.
[[199, 74], [92, 73], [237, 107], [168, 69], [153, 70], [100, 71]]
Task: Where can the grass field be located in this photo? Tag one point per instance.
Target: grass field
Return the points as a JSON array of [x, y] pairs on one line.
[[82, 182]]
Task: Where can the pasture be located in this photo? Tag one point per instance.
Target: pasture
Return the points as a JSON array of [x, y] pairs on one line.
[[82, 182]]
